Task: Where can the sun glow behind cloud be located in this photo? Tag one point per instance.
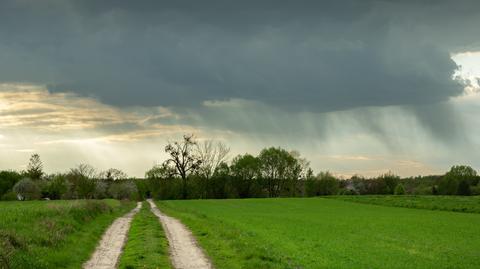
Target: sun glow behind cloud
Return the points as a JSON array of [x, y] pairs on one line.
[[70, 129]]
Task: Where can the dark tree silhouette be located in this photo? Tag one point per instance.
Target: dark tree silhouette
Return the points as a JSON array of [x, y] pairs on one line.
[[183, 158]]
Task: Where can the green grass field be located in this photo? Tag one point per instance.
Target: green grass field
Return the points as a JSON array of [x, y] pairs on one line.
[[147, 246], [446, 203], [54, 234], [328, 233]]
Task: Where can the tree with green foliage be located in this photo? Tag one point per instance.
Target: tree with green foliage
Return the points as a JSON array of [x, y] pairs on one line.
[[162, 181], [8, 180], [35, 167], [461, 172], [323, 184], [162, 171], [327, 184], [450, 183], [278, 167], [246, 170], [390, 181], [56, 187], [399, 189]]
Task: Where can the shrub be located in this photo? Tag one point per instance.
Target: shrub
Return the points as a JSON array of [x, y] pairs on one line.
[[9, 196], [399, 189], [348, 192], [26, 189], [423, 190]]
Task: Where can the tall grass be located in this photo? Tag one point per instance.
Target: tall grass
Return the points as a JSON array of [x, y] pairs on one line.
[[54, 234]]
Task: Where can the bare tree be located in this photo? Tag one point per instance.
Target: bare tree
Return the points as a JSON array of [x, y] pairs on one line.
[[113, 174], [303, 162], [183, 158], [211, 155], [82, 179], [84, 170]]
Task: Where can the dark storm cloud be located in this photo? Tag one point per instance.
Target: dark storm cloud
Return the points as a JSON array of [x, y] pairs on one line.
[[296, 55]]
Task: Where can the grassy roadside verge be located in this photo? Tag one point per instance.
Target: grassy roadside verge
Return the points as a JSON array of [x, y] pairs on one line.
[[147, 246], [468, 204], [54, 234]]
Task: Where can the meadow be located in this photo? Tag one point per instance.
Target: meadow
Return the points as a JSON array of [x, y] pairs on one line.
[[328, 233], [54, 234]]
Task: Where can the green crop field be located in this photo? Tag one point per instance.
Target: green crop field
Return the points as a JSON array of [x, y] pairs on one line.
[[446, 203], [328, 233], [54, 234]]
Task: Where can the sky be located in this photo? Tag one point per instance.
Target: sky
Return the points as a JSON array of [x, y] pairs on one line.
[[357, 87]]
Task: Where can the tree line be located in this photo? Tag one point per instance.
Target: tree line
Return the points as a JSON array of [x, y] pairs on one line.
[[200, 170]]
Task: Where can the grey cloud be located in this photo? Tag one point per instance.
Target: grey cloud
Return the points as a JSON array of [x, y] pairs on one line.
[[297, 55]]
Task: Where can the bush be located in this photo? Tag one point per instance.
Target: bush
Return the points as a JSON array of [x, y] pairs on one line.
[[9, 196], [399, 189], [26, 189], [424, 190], [348, 192]]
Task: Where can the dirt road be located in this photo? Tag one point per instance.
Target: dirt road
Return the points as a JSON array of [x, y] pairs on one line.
[[108, 252], [184, 250]]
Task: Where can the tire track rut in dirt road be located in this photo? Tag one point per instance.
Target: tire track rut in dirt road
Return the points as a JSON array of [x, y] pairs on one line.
[[108, 251], [184, 250]]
